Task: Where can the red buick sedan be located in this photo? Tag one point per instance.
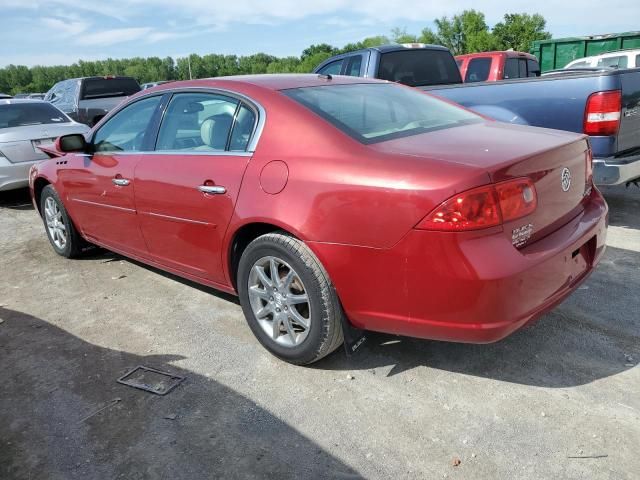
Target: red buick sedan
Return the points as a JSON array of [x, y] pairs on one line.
[[329, 202]]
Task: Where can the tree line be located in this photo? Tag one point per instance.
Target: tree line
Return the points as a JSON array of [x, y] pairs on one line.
[[466, 32]]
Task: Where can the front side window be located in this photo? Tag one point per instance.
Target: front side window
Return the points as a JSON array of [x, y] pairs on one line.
[[25, 114], [478, 70], [333, 68], [637, 60], [126, 130], [372, 113]]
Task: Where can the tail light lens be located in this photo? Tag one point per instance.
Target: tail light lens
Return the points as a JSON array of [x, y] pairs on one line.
[[602, 113], [588, 171], [483, 207]]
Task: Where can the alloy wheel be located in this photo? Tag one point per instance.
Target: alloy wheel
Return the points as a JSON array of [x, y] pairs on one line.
[[279, 301], [55, 223]]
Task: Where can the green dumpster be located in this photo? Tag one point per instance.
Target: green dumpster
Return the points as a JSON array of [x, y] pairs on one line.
[[557, 52]]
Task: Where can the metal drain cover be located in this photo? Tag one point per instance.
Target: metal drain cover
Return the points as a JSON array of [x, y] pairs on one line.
[[151, 380]]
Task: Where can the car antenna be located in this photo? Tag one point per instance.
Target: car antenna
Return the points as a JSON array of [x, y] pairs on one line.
[[325, 75]]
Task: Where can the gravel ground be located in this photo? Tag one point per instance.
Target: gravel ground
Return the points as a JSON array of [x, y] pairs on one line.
[[558, 399]]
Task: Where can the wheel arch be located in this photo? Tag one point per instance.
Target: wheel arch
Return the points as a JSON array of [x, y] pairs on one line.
[[38, 185], [243, 235]]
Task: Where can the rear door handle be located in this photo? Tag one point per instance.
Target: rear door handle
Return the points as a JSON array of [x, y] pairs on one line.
[[212, 189], [121, 182]]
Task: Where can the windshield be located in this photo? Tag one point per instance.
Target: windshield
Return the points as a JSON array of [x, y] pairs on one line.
[[24, 114], [108, 87], [373, 112], [418, 68]]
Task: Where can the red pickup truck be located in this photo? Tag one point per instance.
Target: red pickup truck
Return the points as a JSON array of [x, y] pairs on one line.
[[494, 66]]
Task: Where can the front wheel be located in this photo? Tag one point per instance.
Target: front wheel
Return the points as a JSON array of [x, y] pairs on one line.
[[63, 236], [288, 300]]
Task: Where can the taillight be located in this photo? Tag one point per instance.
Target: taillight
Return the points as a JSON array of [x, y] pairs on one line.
[[602, 113], [483, 207], [589, 170], [517, 198]]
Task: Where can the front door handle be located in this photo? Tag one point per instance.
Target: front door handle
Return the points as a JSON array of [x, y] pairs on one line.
[[212, 189], [121, 182]]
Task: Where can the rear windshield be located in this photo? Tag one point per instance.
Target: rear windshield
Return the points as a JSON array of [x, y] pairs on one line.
[[372, 113], [108, 87], [418, 68], [24, 114]]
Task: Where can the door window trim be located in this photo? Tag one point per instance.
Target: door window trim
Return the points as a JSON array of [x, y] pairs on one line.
[[154, 125]]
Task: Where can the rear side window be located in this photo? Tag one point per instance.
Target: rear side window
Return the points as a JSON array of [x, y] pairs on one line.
[[533, 68], [242, 129], [198, 122], [617, 62], [478, 70], [353, 67], [511, 68], [108, 87], [372, 113], [25, 114], [333, 68], [419, 67]]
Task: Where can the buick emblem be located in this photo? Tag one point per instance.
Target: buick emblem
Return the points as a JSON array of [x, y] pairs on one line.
[[566, 179]]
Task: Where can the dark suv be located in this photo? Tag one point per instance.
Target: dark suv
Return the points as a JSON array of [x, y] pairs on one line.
[[88, 99]]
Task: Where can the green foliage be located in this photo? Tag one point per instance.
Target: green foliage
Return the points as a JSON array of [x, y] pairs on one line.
[[463, 33], [518, 30]]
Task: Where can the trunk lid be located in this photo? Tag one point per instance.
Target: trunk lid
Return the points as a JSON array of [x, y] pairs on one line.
[[555, 161], [21, 144]]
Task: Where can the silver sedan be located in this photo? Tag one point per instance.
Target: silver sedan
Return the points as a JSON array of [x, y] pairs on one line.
[[26, 125]]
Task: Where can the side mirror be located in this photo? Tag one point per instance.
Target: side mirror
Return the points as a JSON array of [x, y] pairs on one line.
[[71, 143]]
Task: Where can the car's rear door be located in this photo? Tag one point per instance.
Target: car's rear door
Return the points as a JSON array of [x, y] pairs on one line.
[[187, 188], [100, 185]]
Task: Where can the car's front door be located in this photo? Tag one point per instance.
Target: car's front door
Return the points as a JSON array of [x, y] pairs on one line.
[[101, 189], [186, 190]]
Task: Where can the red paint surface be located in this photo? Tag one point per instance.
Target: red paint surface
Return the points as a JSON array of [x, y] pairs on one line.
[[498, 60], [356, 207], [274, 176]]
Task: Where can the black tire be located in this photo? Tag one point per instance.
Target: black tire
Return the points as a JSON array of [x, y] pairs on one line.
[[325, 330], [74, 243]]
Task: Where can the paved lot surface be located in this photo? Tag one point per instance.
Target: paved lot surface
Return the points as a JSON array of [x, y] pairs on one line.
[[568, 386]]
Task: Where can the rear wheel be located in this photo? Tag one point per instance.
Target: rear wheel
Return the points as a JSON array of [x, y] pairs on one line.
[[288, 300], [63, 236]]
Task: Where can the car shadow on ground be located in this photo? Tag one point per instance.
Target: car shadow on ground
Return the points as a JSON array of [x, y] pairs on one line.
[[16, 199], [60, 418], [624, 206]]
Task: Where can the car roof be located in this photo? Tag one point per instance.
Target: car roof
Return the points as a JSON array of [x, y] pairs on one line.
[[508, 53], [271, 81]]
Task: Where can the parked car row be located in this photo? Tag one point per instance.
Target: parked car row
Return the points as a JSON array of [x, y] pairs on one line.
[[604, 104], [26, 125]]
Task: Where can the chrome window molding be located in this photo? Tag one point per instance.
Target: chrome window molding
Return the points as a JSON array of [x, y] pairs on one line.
[[217, 153]]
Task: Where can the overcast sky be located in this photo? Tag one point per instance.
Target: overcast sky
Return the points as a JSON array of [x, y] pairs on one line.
[[49, 32]]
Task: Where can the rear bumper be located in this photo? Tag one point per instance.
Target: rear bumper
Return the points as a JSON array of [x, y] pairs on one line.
[[614, 171], [14, 175], [472, 287]]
